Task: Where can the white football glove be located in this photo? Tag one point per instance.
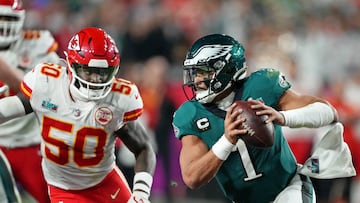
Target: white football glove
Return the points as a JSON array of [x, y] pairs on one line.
[[142, 187], [137, 197]]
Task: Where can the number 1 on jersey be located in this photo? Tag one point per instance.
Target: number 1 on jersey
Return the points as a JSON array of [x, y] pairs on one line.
[[246, 161]]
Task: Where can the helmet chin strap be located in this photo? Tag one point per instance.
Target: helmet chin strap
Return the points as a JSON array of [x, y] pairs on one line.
[[225, 102], [76, 95], [84, 94], [207, 96]]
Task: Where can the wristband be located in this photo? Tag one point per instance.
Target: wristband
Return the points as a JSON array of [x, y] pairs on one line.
[[312, 116], [142, 184], [222, 148]]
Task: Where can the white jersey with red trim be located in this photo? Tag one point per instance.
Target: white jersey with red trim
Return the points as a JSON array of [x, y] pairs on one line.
[[78, 137], [35, 46]]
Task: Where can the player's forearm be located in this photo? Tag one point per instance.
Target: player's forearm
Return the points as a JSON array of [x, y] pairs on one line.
[[11, 107], [135, 137], [144, 170], [11, 76], [146, 160], [201, 171]]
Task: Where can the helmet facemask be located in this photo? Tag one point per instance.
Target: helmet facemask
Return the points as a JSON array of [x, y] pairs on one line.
[[222, 58], [92, 83], [190, 79], [12, 19]]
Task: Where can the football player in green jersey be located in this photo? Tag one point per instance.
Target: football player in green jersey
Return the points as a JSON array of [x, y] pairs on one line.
[[216, 70]]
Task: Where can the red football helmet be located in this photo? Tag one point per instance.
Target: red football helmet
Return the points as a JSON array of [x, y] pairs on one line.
[[93, 60], [12, 17]]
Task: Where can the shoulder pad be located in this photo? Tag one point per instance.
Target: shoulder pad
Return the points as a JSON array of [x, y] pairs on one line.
[[270, 75], [266, 84], [42, 73], [127, 95], [183, 117], [41, 41]]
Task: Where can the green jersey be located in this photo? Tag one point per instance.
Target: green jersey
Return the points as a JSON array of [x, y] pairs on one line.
[[249, 174]]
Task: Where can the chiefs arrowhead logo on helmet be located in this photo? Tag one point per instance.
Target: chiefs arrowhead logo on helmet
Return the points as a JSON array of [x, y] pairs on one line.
[[74, 43]]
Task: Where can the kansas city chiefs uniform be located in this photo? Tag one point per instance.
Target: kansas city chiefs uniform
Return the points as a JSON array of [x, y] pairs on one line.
[[35, 46], [78, 137]]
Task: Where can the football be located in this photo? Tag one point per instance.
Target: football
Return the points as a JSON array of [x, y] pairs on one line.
[[260, 134]]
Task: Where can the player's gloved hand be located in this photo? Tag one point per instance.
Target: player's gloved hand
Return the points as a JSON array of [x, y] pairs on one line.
[[142, 187], [4, 89], [138, 197]]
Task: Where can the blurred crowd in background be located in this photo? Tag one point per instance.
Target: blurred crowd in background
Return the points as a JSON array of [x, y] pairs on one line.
[[314, 43]]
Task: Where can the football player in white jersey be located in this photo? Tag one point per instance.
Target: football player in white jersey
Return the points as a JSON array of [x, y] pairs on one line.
[[82, 108], [20, 51]]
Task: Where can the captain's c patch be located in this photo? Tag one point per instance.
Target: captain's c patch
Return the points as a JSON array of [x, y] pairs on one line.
[[203, 124]]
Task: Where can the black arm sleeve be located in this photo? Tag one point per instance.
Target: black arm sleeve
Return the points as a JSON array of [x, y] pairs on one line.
[[25, 101]]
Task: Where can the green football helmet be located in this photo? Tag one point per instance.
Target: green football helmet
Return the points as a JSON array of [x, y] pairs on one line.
[[222, 57]]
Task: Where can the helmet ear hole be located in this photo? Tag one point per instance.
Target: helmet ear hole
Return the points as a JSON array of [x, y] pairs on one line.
[[81, 53], [215, 85], [219, 64]]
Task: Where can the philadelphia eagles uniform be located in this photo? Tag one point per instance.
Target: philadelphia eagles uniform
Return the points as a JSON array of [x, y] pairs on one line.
[[249, 174]]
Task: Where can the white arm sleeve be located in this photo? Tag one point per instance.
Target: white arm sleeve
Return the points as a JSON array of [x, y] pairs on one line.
[[11, 107], [312, 116]]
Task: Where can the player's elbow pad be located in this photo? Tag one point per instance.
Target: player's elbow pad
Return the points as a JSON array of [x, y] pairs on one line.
[[11, 107], [312, 116]]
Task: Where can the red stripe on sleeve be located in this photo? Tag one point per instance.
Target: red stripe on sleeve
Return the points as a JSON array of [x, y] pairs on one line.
[[133, 115], [25, 89]]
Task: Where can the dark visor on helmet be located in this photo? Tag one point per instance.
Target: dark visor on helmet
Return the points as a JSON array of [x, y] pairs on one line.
[[101, 75]]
